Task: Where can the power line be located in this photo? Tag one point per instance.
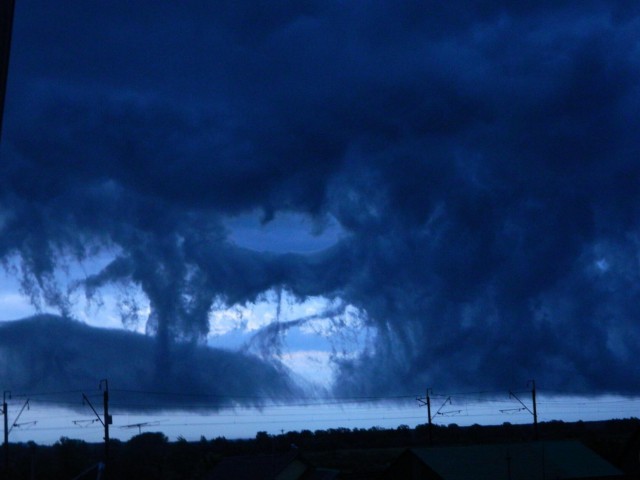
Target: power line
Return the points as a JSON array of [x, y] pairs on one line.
[[210, 411], [51, 393]]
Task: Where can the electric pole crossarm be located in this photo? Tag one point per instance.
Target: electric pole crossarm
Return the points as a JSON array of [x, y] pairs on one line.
[[511, 410], [524, 407], [139, 425], [34, 422], [443, 404], [534, 413], [86, 400], [15, 422]]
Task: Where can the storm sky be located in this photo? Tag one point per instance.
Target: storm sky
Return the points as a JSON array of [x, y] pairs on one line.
[[461, 177]]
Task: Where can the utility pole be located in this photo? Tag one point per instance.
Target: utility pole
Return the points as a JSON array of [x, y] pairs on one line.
[[108, 420], [7, 430], [534, 413], [5, 413], [429, 415], [535, 409], [427, 402]]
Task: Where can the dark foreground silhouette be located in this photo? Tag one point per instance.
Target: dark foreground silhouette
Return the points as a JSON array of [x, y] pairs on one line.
[[336, 453]]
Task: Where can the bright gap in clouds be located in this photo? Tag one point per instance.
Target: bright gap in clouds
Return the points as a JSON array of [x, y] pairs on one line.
[[112, 306], [284, 233], [328, 329], [312, 334], [316, 331], [309, 350]]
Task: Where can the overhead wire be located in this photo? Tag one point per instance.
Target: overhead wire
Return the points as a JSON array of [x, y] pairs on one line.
[[333, 410]]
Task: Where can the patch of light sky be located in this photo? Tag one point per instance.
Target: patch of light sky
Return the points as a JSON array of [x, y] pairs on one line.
[[285, 233], [330, 329], [308, 349], [102, 310], [45, 424]]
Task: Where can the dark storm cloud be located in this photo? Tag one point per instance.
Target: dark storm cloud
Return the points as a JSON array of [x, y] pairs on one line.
[[81, 356], [481, 158]]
